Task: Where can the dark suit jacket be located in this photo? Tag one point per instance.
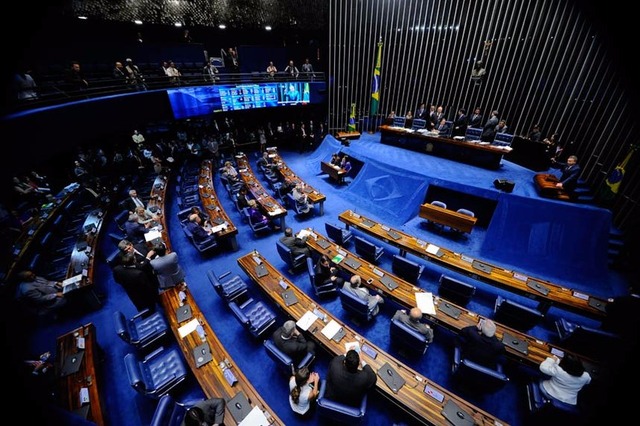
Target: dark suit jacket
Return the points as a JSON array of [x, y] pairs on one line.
[[130, 205], [569, 178], [459, 126], [198, 232], [480, 348], [213, 410], [135, 231], [296, 245], [345, 387], [475, 121], [295, 347], [489, 130], [139, 288]]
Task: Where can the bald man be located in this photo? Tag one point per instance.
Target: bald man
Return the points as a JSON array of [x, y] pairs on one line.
[[413, 321]]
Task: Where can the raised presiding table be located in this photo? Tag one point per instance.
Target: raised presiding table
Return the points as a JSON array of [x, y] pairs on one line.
[[268, 204], [544, 291], [421, 398], [348, 135], [211, 203], [314, 196], [447, 217], [77, 380], [335, 172], [211, 364]]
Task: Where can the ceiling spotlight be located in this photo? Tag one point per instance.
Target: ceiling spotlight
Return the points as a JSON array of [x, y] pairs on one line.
[[222, 26], [178, 24], [267, 27], [82, 17], [137, 22]]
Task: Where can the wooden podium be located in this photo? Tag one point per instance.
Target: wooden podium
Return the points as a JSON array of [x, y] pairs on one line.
[[348, 135]]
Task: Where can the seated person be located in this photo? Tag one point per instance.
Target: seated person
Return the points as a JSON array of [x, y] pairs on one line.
[[442, 128], [145, 217], [209, 412], [302, 200], [230, 173], [264, 162], [286, 187], [257, 217], [243, 198], [297, 245], [289, 340], [199, 232], [413, 321], [39, 296], [345, 164], [349, 378], [303, 389], [135, 230], [354, 286], [326, 273], [480, 344], [335, 159], [204, 219], [568, 377]]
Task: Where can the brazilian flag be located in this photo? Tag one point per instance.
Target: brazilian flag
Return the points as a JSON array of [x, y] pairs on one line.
[[611, 186], [351, 127], [375, 84]]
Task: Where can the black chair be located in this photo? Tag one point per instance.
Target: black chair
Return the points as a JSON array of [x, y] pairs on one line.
[[516, 315], [254, 316], [337, 411], [285, 362], [156, 374], [294, 262], [588, 341], [142, 330], [551, 408], [228, 287], [368, 250], [338, 235], [472, 372], [170, 412], [455, 290], [357, 307], [406, 269], [320, 288], [408, 337]]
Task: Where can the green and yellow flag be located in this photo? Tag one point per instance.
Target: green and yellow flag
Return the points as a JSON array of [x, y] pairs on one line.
[[375, 84], [351, 127], [611, 186]]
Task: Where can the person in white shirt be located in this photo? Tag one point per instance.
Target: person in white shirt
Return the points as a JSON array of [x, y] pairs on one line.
[[568, 377], [137, 137], [303, 387]]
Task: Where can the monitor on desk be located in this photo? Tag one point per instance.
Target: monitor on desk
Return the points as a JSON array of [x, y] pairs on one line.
[[399, 122]]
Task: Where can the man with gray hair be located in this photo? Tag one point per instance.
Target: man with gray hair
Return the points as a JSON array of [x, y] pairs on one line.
[[413, 321], [289, 340], [480, 344]]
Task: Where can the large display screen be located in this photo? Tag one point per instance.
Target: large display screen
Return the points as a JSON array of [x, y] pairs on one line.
[[202, 100]]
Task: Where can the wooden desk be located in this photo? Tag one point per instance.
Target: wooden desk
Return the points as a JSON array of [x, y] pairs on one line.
[[210, 375], [576, 301], [86, 377], [213, 207], [447, 217], [334, 172], [546, 186], [157, 199], [404, 295], [269, 205], [314, 196], [487, 156], [348, 135], [411, 397]]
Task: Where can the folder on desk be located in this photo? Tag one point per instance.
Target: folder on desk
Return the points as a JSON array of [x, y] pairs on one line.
[[183, 313], [515, 343], [449, 309], [202, 354], [600, 305], [324, 244], [391, 377], [456, 415], [388, 282], [72, 364], [289, 297], [537, 286], [239, 406], [352, 263], [261, 270]]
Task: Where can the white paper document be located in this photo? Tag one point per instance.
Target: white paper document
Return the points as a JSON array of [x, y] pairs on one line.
[[352, 345], [255, 418], [189, 327], [307, 319], [424, 302], [74, 279], [152, 235], [432, 249], [331, 329]]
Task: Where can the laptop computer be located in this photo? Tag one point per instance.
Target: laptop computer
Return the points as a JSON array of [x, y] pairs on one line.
[[289, 297], [449, 309], [339, 335], [202, 354], [456, 415], [391, 377], [368, 223], [324, 244], [183, 313], [515, 343], [352, 263], [600, 305], [261, 270], [239, 406], [537, 286], [388, 282], [393, 235], [72, 364], [482, 267]]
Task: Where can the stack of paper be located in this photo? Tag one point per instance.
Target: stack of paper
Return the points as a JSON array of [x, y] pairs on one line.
[[307, 319], [331, 329], [424, 302], [189, 327]]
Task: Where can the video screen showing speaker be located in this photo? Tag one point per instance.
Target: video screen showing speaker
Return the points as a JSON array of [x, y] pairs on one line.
[[293, 93]]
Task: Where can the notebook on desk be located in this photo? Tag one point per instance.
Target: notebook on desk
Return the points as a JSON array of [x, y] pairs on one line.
[[352, 263], [324, 244], [183, 313], [391, 377], [537, 286], [515, 343], [239, 406], [72, 364], [289, 297], [388, 282], [456, 415], [202, 354], [261, 270]]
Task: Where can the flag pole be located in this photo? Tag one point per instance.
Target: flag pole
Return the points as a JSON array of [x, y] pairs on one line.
[[375, 89]]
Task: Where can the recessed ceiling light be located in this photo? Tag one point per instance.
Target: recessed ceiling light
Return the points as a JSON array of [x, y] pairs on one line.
[[268, 27], [178, 24], [222, 26], [82, 17], [138, 22]]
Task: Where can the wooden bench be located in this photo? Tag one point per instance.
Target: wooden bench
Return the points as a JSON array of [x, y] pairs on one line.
[[446, 217]]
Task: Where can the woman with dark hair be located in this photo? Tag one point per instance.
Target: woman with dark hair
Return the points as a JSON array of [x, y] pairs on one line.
[[304, 389], [568, 376]]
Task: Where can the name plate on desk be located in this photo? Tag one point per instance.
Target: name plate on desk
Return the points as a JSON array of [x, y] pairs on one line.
[[537, 286], [515, 343]]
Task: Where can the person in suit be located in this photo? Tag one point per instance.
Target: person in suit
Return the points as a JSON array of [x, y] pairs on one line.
[[136, 283], [264, 162], [567, 378], [421, 112], [476, 118], [413, 321], [489, 129], [297, 245], [209, 412], [349, 378], [460, 123], [135, 230], [443, 128], [570, 174], [289, 340], [133, 201], [535, 135], [325, 273], [480, 344], [354, 286], [199, 232], [501, 127], [142, 258], [39, 296], [301, 199], [167, 268], [243, 198]]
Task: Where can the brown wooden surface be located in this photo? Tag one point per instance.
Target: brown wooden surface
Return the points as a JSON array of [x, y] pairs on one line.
[[158, 198], [315, 196], [447, 217], [460, 143], [213, 207], [70, 385], [347, 135], [269, 205], [404, 295], [336, 173], [558, 295], [546, 186], [411, 397], [210, 375]]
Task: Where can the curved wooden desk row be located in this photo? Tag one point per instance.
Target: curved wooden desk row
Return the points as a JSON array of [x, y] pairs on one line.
[[268, 204], [447, 217], [405, 295], [211, 203], [544, 291], [315, 196], [411, 397], [211, 376], [158, 196]]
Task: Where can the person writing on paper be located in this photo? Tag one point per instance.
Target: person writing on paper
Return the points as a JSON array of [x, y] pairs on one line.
[[39, 296], [568, 377], [413, 321], [480, 344], [297, 245], [349, 378], [354, 286], [289, 340], [209, 412], [303, 387]]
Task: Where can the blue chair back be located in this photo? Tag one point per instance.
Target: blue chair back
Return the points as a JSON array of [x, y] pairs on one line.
[[142, 330], [368, 250], [339, 412], [355, 305], [294, 262], [285, 362], [336, 234], [255, 317], [516, 315], [228, 288], [406, 269], [490, 378], [156, 374], [408, 337], [455, 290], [170, 412]]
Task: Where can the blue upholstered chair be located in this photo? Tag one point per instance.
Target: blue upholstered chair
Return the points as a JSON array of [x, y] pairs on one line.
[[256, 227], [142, 330], [589, 341], [321, 289], [368, 250], [406, 269], [356, 306], [490, 378], [339, 412], [407, 337], [541, 404], [204, 246], [455, 290], [284, 361], [296, 207], [158, 373], [254, 316], [170, 412], [338, 235], [440, 204], [228, 287], [516, 315], [295, 263]]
